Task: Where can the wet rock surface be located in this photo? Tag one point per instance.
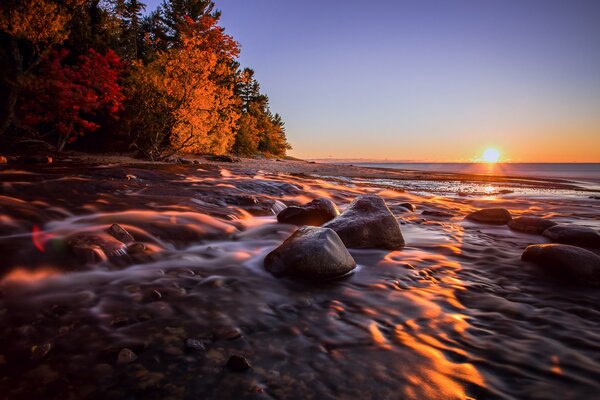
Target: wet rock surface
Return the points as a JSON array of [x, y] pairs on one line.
[[566, 262], [530, 224], [368, 223], [311, 253], [315, 213], [574, 235], [497, 216], [455, 314]]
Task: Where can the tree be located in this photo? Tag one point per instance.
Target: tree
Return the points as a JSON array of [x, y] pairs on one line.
[[64, 99], [190, 86], [28, 30]]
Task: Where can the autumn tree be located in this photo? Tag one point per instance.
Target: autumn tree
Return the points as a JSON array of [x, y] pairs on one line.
[[190, 86], [28, 30], [257, 130], [65, 99]]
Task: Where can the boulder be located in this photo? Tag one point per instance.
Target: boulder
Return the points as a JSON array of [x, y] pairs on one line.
[[574, 235], [436, 213], [565, 261], [238, 363], [408, 206], [368, 223], [499, 216], [119, 233], [311, 253], [315, 213], [526, 224], [95, 247]]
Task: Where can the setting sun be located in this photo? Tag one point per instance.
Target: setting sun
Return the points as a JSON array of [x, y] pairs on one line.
[[490, 155]]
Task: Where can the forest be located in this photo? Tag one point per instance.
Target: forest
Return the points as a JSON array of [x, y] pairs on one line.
[[109, 75]]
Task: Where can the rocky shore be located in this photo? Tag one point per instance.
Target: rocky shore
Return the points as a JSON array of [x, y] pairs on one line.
[[222, 278]]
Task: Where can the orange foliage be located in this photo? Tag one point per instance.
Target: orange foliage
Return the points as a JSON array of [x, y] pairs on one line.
[[192, 79]]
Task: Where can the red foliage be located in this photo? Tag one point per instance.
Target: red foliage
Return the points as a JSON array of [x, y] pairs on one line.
[[66, 98]]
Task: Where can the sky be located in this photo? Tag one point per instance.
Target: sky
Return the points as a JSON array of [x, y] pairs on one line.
[[427, 80]]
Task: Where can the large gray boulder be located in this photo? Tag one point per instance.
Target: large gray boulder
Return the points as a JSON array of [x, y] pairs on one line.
[[368, 223], [564, 261], [573, 234], [527, 224], [315, 213], [311, 253], [498, 216]]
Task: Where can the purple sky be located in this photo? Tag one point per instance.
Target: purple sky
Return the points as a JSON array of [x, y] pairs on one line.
[[427, 80]]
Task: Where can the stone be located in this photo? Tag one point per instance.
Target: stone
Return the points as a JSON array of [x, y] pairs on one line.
[[194, 345], [315, 213], [95, 247], [528, 224], [436, 213], [237, 363], [126, 356], [574, 235], [119, 233], [40, 351], [223, 158], [408, 206], [498, 216], [311, 253], [36, 159], [3, 160], [368, 223], [565, 261]]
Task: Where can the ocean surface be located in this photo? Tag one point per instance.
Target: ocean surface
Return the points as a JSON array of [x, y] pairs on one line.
[[579, 171]]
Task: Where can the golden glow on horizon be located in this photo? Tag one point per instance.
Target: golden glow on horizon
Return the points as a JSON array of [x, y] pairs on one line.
[[490, 155]]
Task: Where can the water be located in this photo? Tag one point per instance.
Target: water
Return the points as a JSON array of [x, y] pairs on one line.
[[454, 314], [577, 171]]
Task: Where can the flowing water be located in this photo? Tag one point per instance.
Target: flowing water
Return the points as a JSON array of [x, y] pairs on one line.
[[454, 314]]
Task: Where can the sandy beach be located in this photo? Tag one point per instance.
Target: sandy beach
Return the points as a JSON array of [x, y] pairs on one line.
[[455, 313]]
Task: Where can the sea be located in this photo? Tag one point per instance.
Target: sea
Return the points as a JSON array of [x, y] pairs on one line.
[[570, 171]]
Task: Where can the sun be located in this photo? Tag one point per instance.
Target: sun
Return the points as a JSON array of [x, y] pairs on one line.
[[490, 155]]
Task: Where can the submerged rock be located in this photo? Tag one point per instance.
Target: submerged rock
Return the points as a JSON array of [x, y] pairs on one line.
[[574, 235], [311, 253], [437, 213], [126, 356], [408, 206], [315, 213], [498, 216], [237, 363], [527, 224], [119, 233], [565, 261], [95, 247], [368, 223]]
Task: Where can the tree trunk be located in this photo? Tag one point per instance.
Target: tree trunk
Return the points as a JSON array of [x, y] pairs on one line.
[[12, 85]]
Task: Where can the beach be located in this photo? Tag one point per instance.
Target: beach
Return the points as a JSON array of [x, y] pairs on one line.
[[455, 313]]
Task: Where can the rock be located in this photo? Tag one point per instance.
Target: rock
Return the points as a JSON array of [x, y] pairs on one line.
[[565, 261], [92, 247], [408, 206], [126, 356], [184, 161], [36, 159], [574, 235], [119, 233], [437, 213], [505, 191], [40, 351], [499, 216], [3, 160], [194, 345], [136, 248], [315, 213], [226, 332], [237, 363], [223, 158], [311, 253], [368, 223], [535, 225]]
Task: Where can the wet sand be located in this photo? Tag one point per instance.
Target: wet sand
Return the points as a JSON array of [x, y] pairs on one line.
[[454, 314]]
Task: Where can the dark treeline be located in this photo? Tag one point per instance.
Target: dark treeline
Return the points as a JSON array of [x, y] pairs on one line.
[[105, 75]]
